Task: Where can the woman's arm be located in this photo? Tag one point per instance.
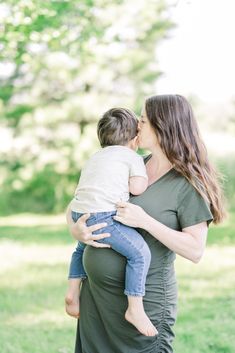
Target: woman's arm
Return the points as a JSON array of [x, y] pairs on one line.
[[81, 232], [190, 243]]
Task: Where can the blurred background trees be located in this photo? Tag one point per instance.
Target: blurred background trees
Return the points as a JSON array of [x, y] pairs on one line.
[[63, 63]]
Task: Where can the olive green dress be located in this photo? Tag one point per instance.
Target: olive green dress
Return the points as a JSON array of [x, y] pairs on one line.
[[102, 327]]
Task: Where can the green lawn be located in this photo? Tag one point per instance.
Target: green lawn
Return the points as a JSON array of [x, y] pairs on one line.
[[34, 253]]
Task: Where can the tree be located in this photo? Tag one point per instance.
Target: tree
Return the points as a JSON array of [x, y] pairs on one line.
[[63, 64]]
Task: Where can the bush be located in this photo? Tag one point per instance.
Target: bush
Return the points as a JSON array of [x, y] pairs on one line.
[[50, 192], [46, 192]]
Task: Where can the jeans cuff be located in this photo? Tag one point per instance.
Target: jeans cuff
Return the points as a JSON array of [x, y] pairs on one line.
[[77, 276], [134, 294]]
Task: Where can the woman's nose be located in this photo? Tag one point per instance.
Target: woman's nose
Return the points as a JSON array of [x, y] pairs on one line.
[[138, 127]]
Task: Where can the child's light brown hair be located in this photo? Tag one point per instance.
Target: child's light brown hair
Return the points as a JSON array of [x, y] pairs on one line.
[[117, 126]]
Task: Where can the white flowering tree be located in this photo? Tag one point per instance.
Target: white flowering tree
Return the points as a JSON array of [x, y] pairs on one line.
[[63, 63]]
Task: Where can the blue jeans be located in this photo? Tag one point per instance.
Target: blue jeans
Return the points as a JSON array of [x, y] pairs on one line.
[[126, 241]]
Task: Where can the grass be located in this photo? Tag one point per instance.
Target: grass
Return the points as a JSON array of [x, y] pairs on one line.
[[206, 318], [34, 253]]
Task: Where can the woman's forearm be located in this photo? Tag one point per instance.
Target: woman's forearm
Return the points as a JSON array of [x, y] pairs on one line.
[[189, 245]]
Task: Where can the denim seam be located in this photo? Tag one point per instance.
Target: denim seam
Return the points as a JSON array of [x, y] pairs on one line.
[[126, 238]]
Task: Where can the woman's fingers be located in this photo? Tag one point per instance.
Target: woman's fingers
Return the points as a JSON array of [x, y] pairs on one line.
[[83, 233], [121, 212], [97, 245], [121, 204], [117, 218], [83, 218], [99, 236], [97, 227]]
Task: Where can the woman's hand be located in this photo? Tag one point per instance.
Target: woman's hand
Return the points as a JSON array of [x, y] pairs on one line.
[[131, 215], [81, 232]]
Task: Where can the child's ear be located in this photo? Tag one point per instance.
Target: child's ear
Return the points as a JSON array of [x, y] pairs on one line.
[[135, 142]]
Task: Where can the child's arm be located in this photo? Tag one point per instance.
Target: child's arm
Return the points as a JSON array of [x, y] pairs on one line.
[[137, 185]]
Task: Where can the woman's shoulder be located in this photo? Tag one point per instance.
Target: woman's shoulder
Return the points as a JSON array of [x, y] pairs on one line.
[[183, 185]]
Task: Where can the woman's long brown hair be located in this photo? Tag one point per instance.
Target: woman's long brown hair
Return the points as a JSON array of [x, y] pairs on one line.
[[173, 121]]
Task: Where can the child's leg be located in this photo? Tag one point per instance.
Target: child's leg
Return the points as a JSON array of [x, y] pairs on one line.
[[129, 243], [76, 274], [72, 297]]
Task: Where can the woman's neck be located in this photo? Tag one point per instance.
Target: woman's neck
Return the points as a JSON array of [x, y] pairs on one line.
[[157, 165], [160, 161]]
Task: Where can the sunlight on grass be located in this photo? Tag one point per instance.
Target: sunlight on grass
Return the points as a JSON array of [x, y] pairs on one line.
[[48, 316], [13, 254], [34, 259], [29, 220], [212, 277]]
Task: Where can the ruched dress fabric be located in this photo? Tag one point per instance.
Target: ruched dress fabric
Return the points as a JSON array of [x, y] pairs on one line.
[[102, 327]]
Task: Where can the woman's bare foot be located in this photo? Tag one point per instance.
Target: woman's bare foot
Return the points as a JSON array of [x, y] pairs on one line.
[[141, 322], [72, 297]]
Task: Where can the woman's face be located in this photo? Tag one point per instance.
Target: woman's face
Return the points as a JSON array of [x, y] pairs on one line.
[[146, 135]]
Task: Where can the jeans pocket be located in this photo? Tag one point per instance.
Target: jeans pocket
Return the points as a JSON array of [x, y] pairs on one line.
[[75, 216], [91, 221]]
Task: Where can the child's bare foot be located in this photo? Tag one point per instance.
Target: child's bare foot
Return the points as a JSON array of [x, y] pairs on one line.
[[72, 297], [72, 305], [141, 321]]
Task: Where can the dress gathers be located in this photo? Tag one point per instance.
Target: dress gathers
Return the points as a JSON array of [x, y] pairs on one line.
[[102, 327]]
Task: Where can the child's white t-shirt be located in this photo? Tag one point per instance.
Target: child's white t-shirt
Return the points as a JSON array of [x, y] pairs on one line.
[[104, 179]]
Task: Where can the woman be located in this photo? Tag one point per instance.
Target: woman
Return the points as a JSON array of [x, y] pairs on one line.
[[172, 215]]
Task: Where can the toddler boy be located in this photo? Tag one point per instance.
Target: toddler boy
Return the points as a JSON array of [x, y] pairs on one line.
[[108, 177]]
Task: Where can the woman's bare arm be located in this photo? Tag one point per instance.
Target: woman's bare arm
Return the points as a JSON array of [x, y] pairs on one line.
[[81, 232], [190, 243]]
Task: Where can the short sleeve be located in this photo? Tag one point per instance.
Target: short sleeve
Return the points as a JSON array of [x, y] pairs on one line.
[[192, 208], [137, 166]]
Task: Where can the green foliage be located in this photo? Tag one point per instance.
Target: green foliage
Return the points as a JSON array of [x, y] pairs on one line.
[[226, 168], [63, 64], [46, 191]]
